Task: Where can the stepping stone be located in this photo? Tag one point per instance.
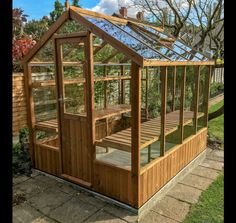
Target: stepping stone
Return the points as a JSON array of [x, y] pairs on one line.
[[172, 208], [205, 172], [153, 217], [185, 193], [217, 155], [213, 164], [104, 217], [195, 181], [73, 211]]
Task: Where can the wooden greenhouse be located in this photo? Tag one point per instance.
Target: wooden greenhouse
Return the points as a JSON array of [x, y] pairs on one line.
[[116, 105]]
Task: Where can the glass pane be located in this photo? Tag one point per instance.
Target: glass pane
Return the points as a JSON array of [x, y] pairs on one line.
[[74, 99], [45, 104], [178, 46], [73, 72], [125, 38]]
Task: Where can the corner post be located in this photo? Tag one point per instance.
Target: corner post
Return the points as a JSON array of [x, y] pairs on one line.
[[163, 109], [182, 102], [208, 76], [30, 109], [89, 75], [196, 101], [135, 130]]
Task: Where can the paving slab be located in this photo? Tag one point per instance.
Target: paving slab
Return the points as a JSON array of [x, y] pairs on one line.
[[18, 197], [208, 151], [43, 219], [172, 208], [47, 180], [86, 197], [212, 164], [73, 211], [20, 179], [25, 214], [104, 217], [185, 193], [66, 188], [48, 200], [195, 181], [205, 172], [31, 187], [217, 155], [153, 217], [121, 213], [34, 173]]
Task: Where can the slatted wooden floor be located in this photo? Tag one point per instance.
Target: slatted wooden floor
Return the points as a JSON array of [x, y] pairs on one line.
[[150, 131]]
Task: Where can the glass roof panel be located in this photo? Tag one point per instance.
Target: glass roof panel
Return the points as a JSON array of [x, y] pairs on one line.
[[133, 43], [177, 45], [153, 44], [145, 43]]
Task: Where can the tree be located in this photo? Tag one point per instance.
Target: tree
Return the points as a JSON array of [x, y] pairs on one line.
[[18, 20], [36, 28], [56, 13], [201, 22], [209, 14], [172, 14], [76, 3]]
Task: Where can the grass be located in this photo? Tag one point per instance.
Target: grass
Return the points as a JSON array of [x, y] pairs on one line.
[[210, 208], [216, 126]]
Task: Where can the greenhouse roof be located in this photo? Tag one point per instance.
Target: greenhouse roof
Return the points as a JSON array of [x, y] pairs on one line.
[[145, 44]]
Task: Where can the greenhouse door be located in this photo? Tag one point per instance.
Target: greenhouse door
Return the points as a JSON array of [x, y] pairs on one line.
[[71, 85]]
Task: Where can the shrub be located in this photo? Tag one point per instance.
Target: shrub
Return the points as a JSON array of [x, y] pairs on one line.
[[21, 161], [20, 47]]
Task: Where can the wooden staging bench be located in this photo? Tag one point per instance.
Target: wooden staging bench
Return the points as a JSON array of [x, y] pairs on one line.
[[150, 131], [52, 125]]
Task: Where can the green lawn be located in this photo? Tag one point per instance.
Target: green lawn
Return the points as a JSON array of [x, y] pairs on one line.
[[210, 207], [216, 126]]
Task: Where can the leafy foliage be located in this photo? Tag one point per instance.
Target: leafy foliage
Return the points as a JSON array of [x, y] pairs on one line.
[[216, 88], [18, 20], [36, 28], [20, 47], [21, 162], [56, 13]]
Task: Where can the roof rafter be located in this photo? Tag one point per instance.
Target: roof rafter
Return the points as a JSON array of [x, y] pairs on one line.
[[111, 56]]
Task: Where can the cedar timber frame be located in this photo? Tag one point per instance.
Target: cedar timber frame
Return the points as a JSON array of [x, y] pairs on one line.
[[134, 186]]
